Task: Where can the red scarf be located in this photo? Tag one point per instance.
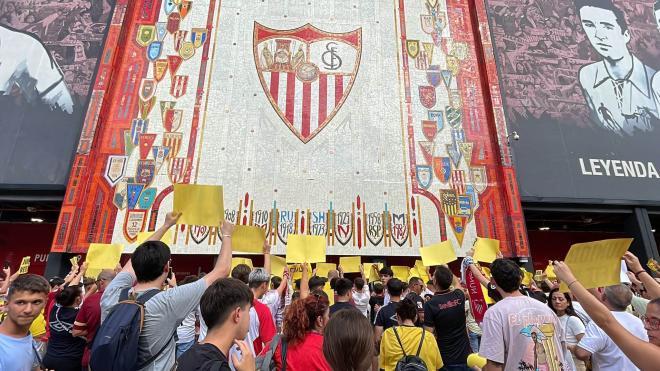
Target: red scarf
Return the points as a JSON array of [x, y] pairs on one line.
[[477, 302]]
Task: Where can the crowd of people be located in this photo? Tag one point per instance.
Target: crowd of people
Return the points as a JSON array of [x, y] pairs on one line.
[[137, 317]]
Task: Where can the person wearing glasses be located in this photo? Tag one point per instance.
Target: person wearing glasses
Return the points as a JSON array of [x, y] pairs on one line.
[[88, 318]]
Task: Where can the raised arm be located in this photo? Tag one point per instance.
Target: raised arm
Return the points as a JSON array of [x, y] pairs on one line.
[[285, 282], [267, 266], [76, 280], [651, 285], [644, 355], [223, 264], [304, 282]]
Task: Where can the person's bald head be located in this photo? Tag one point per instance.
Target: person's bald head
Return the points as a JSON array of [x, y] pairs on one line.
[[104, 278], [617, 297]]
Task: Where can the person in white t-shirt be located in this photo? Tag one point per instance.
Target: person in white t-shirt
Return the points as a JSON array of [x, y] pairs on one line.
[[604, 353], [361, 294], [562, 305]]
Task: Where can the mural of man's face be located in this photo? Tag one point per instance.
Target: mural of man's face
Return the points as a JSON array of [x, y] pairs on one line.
[[604, 32]]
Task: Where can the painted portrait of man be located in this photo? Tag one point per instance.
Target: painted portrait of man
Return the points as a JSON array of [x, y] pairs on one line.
[[617, 88]]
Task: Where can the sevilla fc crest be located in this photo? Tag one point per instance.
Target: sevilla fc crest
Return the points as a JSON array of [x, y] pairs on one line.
[[306, 73]]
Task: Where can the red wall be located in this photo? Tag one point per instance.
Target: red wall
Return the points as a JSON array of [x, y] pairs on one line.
[[19, 240]]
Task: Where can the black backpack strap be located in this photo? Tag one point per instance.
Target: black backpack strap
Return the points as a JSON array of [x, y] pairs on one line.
[[284, 348], [421, 342], [399, 340]]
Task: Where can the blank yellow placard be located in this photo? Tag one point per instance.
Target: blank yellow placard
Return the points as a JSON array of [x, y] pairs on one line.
[[438, 254], [420, 273], [330, 292], [550, 272], [237, 261], [350, 264], [25, 265], [200, 204], [296, 270], [371, 274], [167, 239], [487, 298], [277, 264], [401, 272], [527, 277], [102, 256], [486, 249], [248, 238], [74, 260], [303, 248], [322, 269], [598, 263]]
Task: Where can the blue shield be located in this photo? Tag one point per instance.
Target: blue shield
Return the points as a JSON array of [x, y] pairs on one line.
[[424, 175], [434, 75], [133, 194], [464, 205], [439, 117], [169, 6], [147, 198], [154, 50], [470, 191], [161, 30]]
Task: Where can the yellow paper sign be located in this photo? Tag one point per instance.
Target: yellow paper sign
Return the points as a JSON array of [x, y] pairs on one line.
[[200, 204], [487, 298], [419, 273], [296, 271], [74, 261], [330, 292], [102, 256], [25, 265], [401, 272], [277, 264], [598, 263], [653, 265], [350, 264], [248, 239], [237, 261], [438, 254], [527, 277], [486, 249], [550, 272], [322, 269], [303, 248], [167, 239], [371, 273]]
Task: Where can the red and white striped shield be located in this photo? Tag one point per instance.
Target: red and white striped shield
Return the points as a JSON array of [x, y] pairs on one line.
[[306, 73]]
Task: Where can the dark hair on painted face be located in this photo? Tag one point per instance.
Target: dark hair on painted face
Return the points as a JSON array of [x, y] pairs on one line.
[[241, 272], [31, 283], [443, 277], [149, 260], [607, 5], [348, 341], [68, 296], [395, 287], [343, 286], [569, 309], [221, 298], [506, 274], [407, 309]]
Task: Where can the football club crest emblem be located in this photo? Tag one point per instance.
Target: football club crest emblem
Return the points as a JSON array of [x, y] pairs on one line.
[[343, 230], [138, 126], [427, 24], [198, 36], [454, 116], [160, 69], [427, 149], [286, 225], [173, 22], [449, 201], [464, 206], [179, 86], [430, 129], [466, 149], [438, 117], [412, 46], [159, 153], [424, 175], [434, 76], [172, 141], [313, 68], [133, 194], [199, 233], [184, 8], [169, 6], [442, 168], [187, 50], [161, 30], [146, 141], [428, 49], [179, 38], [145, 107], [375, 229], [458, 181], [454, 153], [174, 62], [173, 118], [422, 61], [458, 224], [134, 222], [447, 77], [145, 34], [147, 89], [147, 198], [479, 178], [177, 169], [399, 230], [146, 171], [164, 106], [115, 169], [154, 50], [427, 96], [119, 198], [129, 146]]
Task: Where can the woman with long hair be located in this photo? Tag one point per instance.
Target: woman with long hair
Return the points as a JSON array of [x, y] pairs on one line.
[[349, 341], [572, 325], [64, 351], [304, 322]]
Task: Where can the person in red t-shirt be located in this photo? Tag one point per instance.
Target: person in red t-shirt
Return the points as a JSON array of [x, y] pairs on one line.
[[262, 328], [88, 318]]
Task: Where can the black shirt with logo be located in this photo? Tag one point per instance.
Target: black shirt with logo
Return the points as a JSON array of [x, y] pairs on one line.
[[373, 301], [386, 316], [445, 312]]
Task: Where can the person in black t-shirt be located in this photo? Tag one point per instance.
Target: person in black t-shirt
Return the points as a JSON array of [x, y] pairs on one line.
[[225, 307], [64, 351], [445, 315], [416, 286], [377, 300], [386, 316], [343, 288]]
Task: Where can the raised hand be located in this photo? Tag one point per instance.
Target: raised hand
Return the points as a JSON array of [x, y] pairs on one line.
[[227, 229], [172, 218], [632, 262], [563, 272]]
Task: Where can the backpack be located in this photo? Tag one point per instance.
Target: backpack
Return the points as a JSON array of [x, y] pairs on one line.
[[115, 346], [410, 363], [265, 362]]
